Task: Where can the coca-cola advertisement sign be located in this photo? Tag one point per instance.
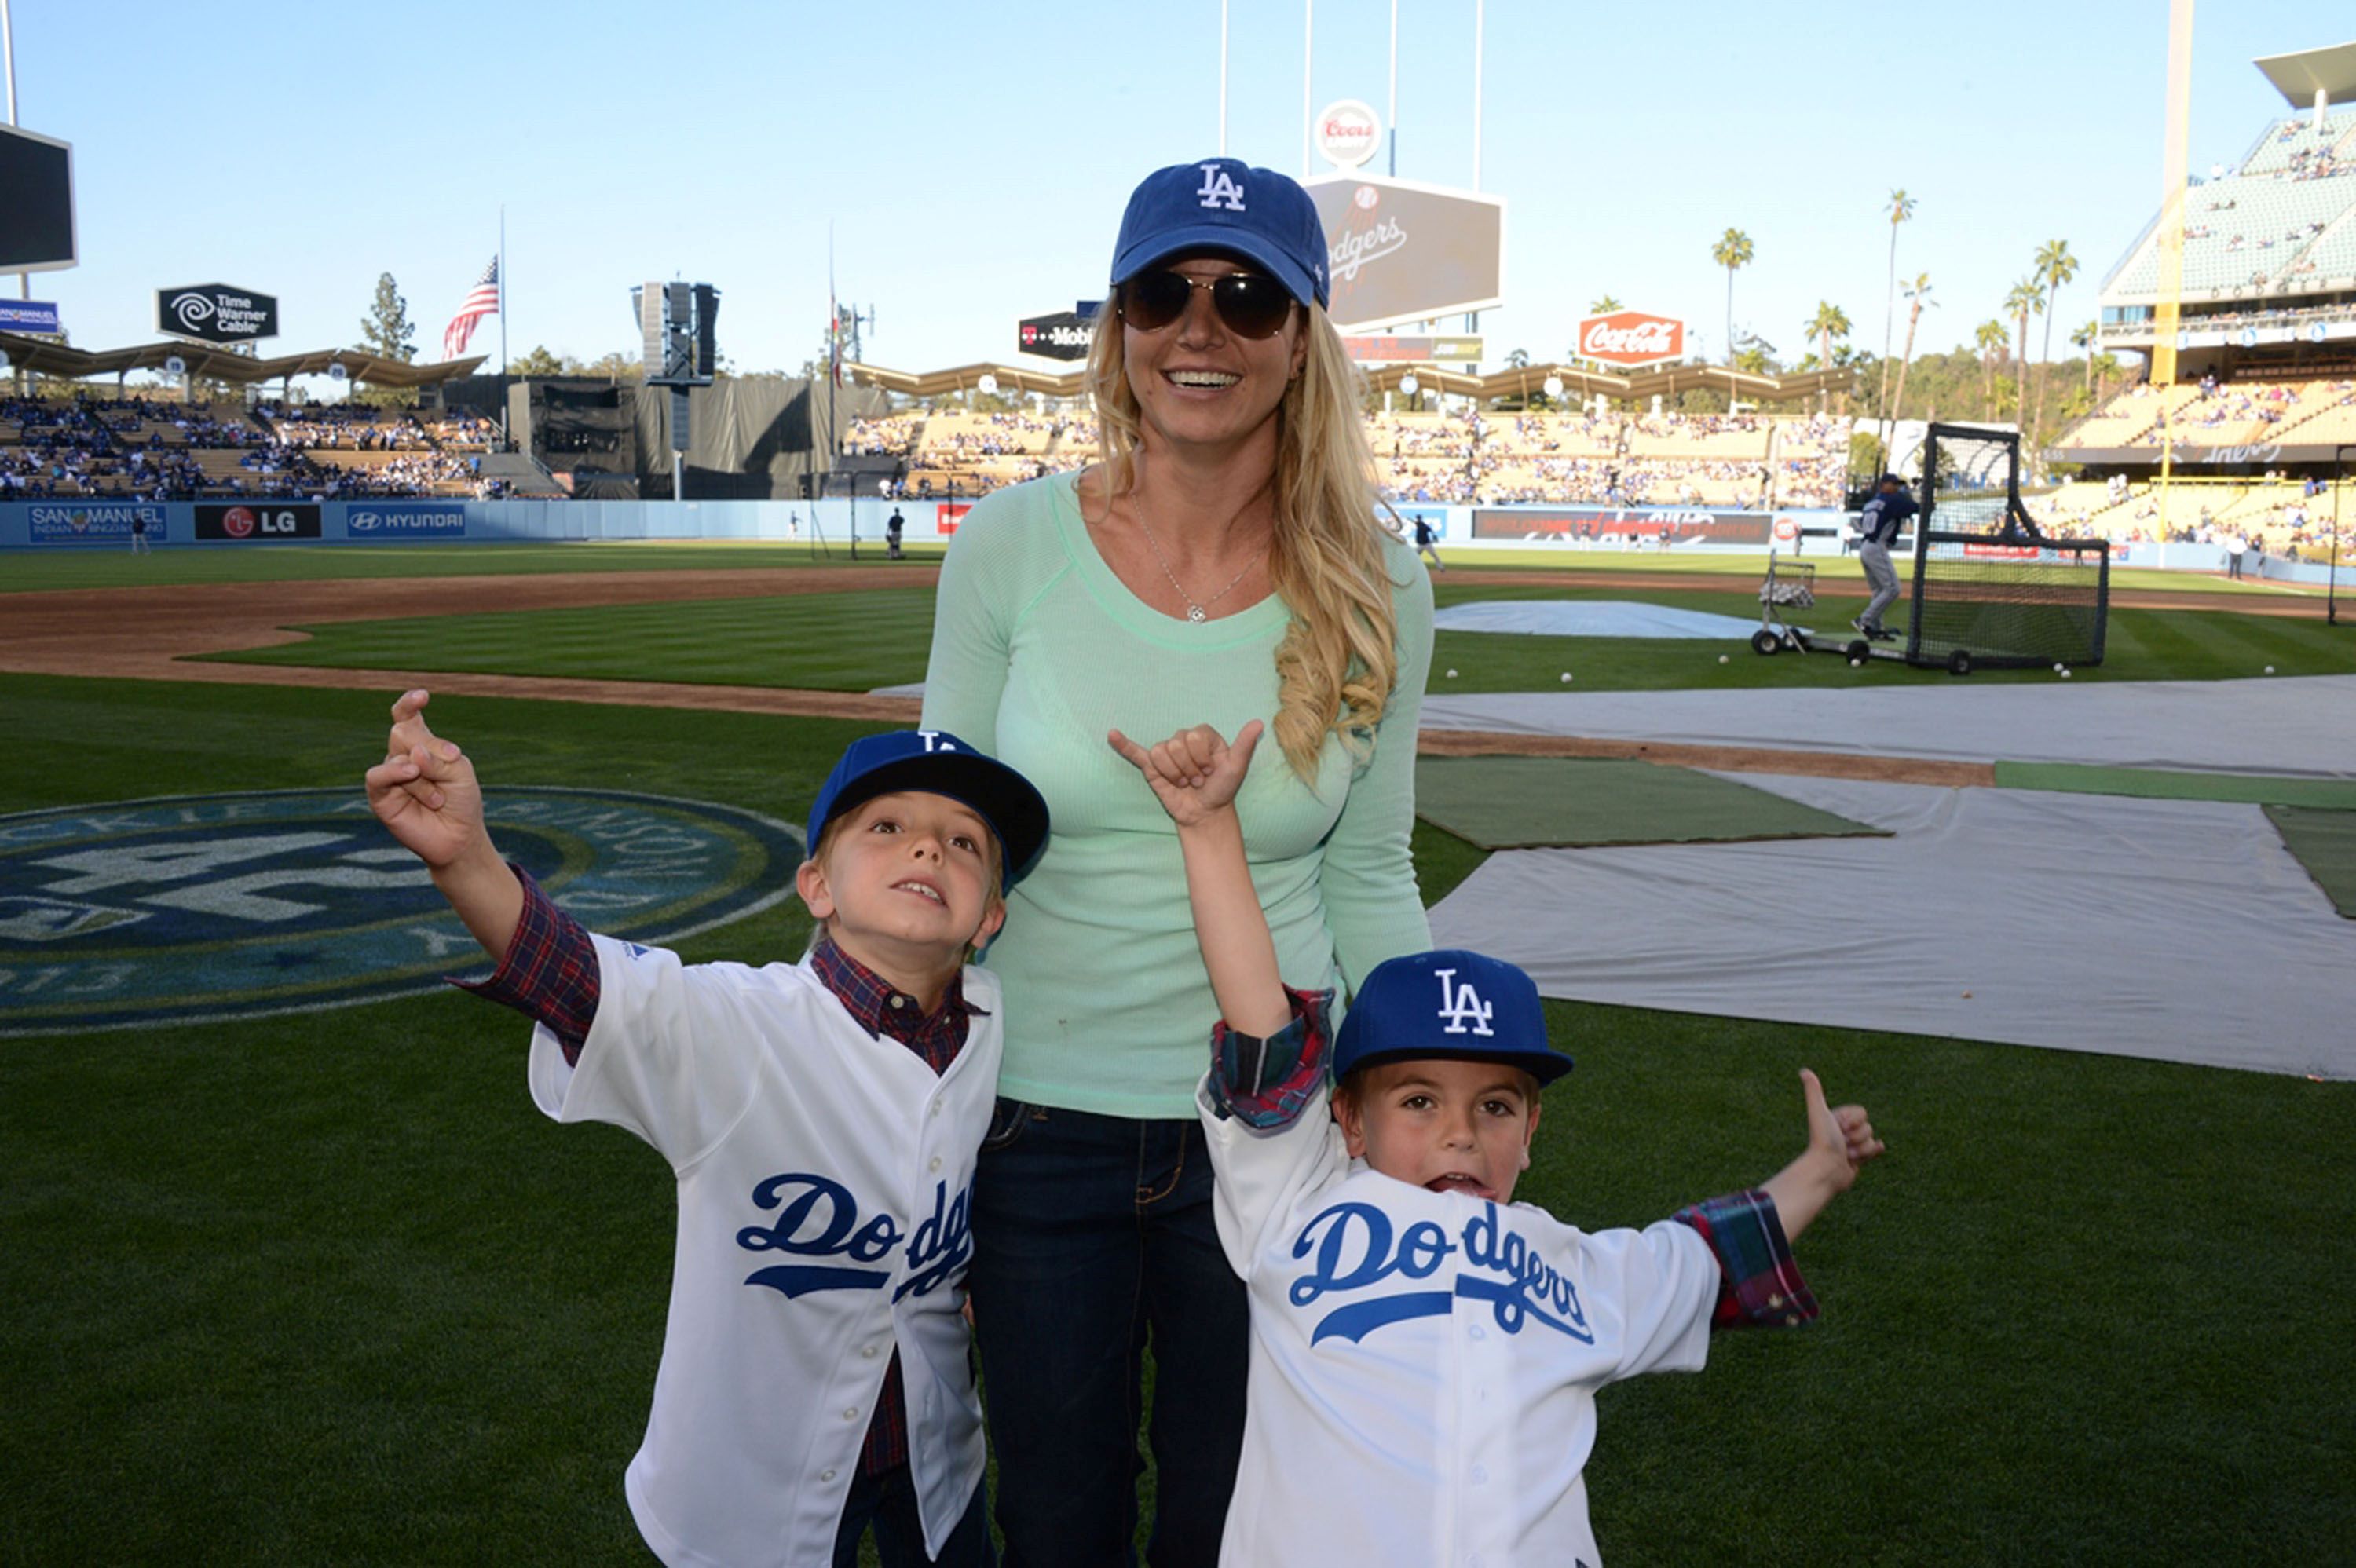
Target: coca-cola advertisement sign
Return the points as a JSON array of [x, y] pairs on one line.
[[1630, 337]]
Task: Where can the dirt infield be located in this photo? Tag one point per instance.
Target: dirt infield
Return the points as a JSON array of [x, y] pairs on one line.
[[158, 634]]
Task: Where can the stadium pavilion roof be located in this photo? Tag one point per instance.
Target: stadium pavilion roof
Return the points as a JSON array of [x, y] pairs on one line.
[[2299, 77], [1666, 381], [214, 364]]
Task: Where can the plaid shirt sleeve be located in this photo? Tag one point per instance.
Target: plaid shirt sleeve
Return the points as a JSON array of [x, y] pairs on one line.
[[550, 974], [1268, 1082], [1758, 1285]]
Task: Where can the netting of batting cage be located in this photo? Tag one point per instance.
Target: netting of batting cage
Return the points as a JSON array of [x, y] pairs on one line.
[[1989, 589]]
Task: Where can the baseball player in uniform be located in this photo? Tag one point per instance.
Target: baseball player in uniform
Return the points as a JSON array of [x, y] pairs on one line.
[[823, 1119], [1421, 1345], [1877, 530]]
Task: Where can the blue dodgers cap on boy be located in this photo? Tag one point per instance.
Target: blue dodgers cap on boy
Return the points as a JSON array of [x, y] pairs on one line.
[[937, 762], [1224, 204], [1450, 1003]]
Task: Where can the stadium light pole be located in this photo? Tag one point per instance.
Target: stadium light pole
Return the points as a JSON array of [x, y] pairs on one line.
[[8, 58], [1308, 55], [1394, 102], [1223, 77]]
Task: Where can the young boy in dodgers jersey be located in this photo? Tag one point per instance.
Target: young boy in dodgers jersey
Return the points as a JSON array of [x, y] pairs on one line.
[[815, 1376], [1422, 1347]]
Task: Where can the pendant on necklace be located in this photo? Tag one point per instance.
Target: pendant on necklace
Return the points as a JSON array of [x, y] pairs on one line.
[[1194, 612]]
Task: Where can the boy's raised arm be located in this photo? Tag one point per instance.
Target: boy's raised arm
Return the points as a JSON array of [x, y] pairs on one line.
[[1196, 775], [426, 795], [1839, 1140]]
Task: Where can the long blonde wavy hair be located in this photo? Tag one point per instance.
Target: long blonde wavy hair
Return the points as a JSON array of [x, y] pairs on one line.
[[1339, 658]]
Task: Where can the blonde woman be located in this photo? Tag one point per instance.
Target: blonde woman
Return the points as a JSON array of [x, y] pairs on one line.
[[1220, 563]]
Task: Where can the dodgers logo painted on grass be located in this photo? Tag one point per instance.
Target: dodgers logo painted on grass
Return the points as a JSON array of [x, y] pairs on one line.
[[198, 908]]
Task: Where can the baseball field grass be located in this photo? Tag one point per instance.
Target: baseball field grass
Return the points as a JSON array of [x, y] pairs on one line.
[[326, 1288], [860, 640]]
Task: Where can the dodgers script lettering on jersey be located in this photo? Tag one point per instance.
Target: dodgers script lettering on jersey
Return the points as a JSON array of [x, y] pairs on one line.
[[817, 1217], [1358, 1247], [1220, 189]]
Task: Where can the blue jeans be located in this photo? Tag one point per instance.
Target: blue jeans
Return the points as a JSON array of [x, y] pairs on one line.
[[888, 1501], [1093, 1238]]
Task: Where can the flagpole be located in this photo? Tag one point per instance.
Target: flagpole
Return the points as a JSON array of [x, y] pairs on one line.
[[503, 325]]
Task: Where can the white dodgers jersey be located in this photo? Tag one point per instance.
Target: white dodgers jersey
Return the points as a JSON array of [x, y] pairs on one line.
[[825, 1182], [1424, 1364]]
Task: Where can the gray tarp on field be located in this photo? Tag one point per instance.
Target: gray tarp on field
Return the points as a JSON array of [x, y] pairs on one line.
[[2180, 931], [2283, 725]]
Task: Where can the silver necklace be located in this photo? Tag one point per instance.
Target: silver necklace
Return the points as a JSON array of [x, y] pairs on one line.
[[1195, 613]]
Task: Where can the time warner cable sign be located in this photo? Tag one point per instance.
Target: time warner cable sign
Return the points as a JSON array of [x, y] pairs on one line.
[[1400, 251], [216, 312]]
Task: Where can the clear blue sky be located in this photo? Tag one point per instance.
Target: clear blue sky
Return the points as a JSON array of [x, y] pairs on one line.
[[972, 159]]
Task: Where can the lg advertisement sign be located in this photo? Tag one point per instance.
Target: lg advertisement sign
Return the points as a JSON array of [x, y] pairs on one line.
[[1630, 337], [1399, 251], [216, 312]]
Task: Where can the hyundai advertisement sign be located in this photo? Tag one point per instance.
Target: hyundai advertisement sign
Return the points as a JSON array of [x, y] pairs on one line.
[[404, 520]]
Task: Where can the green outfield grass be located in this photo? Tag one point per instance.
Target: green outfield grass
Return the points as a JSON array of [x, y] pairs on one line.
[[25, 571], [833, 642], [325, 1288], [856, 642], [389, 1337]]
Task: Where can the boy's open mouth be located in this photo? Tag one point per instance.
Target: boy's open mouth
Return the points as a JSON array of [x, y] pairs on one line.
[[1457, 1181]]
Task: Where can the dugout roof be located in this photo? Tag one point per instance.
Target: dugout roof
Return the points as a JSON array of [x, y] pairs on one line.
[[2299, 77], [1666, 381], [216, 364]]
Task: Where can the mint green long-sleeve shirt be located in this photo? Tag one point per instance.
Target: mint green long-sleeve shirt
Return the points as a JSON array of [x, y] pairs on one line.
[[1038, 650]]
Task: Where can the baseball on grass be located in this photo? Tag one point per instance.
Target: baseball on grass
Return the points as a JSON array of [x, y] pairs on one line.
[[1721, 658], [1566, 676], [2270, 669], [2065, 675]]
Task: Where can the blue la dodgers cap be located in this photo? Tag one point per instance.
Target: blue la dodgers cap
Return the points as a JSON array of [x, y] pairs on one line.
[[1450, 1002], [937, 762], [1224, 204]]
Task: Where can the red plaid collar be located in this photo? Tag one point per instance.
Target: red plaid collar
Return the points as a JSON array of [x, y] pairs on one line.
[[883, 1009]]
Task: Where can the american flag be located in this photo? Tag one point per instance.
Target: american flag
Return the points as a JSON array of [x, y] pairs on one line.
[[482, 300]]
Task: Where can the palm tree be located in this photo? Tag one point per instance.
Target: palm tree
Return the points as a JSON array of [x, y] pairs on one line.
[[1902, 207], [2082, 340], [2025, 297], [1827, 324], [1519, 359], [1919, 291], [1732, 251], [1605, 306], [1992, 339], [2055, 266]]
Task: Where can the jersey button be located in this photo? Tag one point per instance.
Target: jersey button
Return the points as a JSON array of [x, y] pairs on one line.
[[869, 1352], [1480, 1475], [936, 1162], [825, 1475], [850, 1412], [1477, 1332]]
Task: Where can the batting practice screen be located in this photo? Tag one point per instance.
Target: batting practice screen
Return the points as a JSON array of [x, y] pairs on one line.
[[1990, 590]]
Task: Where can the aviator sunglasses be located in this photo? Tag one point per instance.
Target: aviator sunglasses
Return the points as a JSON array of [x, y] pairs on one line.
[[1252, 304]]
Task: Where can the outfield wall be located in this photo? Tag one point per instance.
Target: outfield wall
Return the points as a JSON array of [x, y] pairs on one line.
[[223, 525]]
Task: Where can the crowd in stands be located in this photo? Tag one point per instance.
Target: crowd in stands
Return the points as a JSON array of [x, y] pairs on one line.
[[137, 448]]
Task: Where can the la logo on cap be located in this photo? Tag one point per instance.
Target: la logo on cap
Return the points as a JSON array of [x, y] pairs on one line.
[[1219, 189], [1461, 1005]]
